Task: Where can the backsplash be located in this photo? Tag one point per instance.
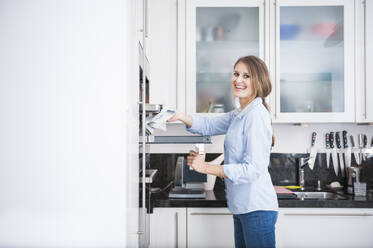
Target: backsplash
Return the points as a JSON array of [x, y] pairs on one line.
[[283, 170]]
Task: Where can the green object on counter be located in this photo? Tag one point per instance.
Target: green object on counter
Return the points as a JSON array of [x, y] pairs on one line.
[[292, 187]]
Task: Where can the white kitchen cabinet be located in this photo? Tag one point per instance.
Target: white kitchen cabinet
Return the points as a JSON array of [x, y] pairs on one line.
[[364, 61], [142, 20], [139, 21], [217, 33], [168, 227], [309, 47], [161, 51], [295, 227], [210, 227], [324, 227], [314, 53]]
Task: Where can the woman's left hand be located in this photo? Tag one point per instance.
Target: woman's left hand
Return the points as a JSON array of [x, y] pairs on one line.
[[197, 161]]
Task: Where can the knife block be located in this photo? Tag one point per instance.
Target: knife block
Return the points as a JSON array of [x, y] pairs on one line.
[[354, 185]]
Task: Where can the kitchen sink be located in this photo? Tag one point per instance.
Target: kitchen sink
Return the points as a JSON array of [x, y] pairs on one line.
[[318, 195]]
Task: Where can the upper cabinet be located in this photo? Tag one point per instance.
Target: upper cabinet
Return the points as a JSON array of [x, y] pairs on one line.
[[364, 61], [142, 14], [162, 47], [314, 56], [217, 34], [139, 21], [318, 53]]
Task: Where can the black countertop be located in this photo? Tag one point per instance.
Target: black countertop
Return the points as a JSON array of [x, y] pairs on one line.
[[217, 199], [283, 171]]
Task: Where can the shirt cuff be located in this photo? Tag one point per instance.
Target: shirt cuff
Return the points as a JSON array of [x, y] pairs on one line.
[[229, 172], [197, 124]]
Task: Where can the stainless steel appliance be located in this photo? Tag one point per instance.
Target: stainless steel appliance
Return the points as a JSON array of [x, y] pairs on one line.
[[147, 109], [188, 183], [144, 80]]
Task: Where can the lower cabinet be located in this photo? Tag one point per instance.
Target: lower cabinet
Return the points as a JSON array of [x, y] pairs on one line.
[[296, 227], [168, 228], [324, 227], [209, 227]]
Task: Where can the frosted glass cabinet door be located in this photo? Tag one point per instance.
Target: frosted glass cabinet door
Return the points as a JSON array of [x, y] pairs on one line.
[[364, 60], [315, 62], [218, 33]]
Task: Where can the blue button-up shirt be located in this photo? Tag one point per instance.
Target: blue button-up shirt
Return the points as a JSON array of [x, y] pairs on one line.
[[247, 148]]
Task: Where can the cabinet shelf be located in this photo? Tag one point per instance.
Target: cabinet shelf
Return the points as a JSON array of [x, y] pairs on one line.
[[227, 42], [226, 48]]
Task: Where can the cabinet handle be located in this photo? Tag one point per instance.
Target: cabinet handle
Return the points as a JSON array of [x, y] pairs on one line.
[[146, 18], [210, 214], [328, 214], [365, 61], [276, 58], [177, 229]]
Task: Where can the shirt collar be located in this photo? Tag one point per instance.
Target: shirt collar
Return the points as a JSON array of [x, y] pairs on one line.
[[240, 113]]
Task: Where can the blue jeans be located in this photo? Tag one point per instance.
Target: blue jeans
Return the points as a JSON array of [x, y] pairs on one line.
[[255, 229]]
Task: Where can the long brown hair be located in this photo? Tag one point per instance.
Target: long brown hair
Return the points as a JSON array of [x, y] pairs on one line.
[[260, 79]]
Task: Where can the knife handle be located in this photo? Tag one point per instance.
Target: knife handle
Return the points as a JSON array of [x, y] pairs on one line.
[[344, 134], [327, 142], [313, 138], [338, 140], [365, 141], [352, 141], [331, 138], [371, 143], [360, 140]]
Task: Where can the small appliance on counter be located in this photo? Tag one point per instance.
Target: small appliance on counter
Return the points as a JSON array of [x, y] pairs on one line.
[[188, 183]]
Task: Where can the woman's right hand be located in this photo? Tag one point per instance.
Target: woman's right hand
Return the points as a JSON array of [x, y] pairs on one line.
[[175, 117], [178, 116]]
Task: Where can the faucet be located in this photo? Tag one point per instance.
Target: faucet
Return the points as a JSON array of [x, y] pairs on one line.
[[301, 163]]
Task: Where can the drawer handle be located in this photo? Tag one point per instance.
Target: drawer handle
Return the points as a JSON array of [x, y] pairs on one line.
[[327, 214], [365, 62], [177, 229], [210, 214]]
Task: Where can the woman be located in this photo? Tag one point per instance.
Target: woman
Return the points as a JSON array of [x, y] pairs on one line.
[[249, 191]]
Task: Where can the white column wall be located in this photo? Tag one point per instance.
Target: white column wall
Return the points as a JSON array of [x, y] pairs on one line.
[[62, 109]]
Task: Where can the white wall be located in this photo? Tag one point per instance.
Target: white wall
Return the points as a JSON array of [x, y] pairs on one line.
[[63, 140], [289, 138], [131, 127]]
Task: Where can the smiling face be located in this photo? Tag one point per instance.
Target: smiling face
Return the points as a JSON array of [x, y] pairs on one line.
[[241, 84]]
